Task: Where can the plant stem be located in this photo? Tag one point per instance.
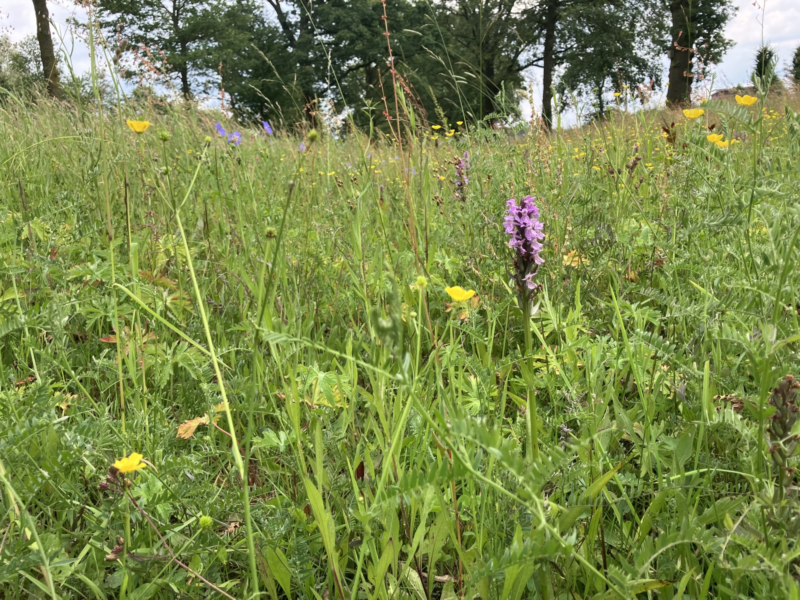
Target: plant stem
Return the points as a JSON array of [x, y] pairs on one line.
[[532, 416], [237, 456]]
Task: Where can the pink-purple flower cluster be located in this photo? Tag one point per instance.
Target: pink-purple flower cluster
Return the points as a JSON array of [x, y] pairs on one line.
[[462, 178], [526, 234]]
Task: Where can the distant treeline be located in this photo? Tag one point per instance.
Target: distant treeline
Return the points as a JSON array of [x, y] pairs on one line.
[[457, 60]]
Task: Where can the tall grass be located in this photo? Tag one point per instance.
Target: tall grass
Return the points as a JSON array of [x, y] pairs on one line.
[[274, 323]]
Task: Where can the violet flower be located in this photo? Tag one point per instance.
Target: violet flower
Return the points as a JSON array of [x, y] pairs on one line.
[[525, 231], [235, 138], [267, 127], [220, 129]]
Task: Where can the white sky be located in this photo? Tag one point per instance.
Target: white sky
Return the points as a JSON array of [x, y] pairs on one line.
[[780, 29]]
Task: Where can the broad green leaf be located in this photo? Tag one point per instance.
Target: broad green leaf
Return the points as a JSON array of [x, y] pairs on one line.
[[601, 482], [279, 567]]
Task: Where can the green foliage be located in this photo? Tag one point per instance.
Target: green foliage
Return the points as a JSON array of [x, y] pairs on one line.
[[694, 39], [764, 71], [765, 62], [20, 65], [383, 427], [608, 49], [172, 38], [796, 65]]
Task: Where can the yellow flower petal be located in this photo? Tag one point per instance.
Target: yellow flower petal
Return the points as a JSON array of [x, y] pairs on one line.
[[130, 464], [693, 113], [616, 94], [459, 294], [459, 122], [138, 126], [714, 137], [722, 144], [746, 100], [436, 126]]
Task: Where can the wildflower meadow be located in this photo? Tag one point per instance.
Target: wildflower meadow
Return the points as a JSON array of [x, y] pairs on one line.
[[423, 360]]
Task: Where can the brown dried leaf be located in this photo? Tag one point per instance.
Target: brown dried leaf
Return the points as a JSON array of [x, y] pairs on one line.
[[187, 428]]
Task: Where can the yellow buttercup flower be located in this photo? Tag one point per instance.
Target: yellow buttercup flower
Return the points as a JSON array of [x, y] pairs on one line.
[[714, 137], [459, 122], [617, 94], [436, 126], [746, 100], [693, 113], [459, 294], [450, 133], [138, 126], [130, 464], [724, 144]]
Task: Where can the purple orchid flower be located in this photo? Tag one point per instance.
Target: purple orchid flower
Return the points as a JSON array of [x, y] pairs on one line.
[[526, 233]]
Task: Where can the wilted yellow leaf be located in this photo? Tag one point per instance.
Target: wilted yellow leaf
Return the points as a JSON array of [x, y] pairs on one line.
[[572, 259], [187, 428]]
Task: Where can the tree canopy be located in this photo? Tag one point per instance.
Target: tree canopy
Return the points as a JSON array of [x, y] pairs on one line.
[[456, 60]]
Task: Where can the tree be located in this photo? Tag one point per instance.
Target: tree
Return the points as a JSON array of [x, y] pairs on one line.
[[20, 65], [696, 35], [490, 43], [796, 66], [49, 62], [175, 32], [251, 58], [764, 69], [549, 19], [609, 49]]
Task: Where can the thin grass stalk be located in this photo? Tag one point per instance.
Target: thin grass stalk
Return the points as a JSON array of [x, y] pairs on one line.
[[237, 456]]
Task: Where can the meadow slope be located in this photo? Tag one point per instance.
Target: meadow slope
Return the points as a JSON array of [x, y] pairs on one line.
[[266, 324]]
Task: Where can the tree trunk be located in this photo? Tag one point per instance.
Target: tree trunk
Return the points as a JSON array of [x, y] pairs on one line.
[[186, 89], [548, 62], [49, 64], [680, 65]]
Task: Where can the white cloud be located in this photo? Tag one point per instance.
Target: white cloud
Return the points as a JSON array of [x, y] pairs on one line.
[[778, 28]]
